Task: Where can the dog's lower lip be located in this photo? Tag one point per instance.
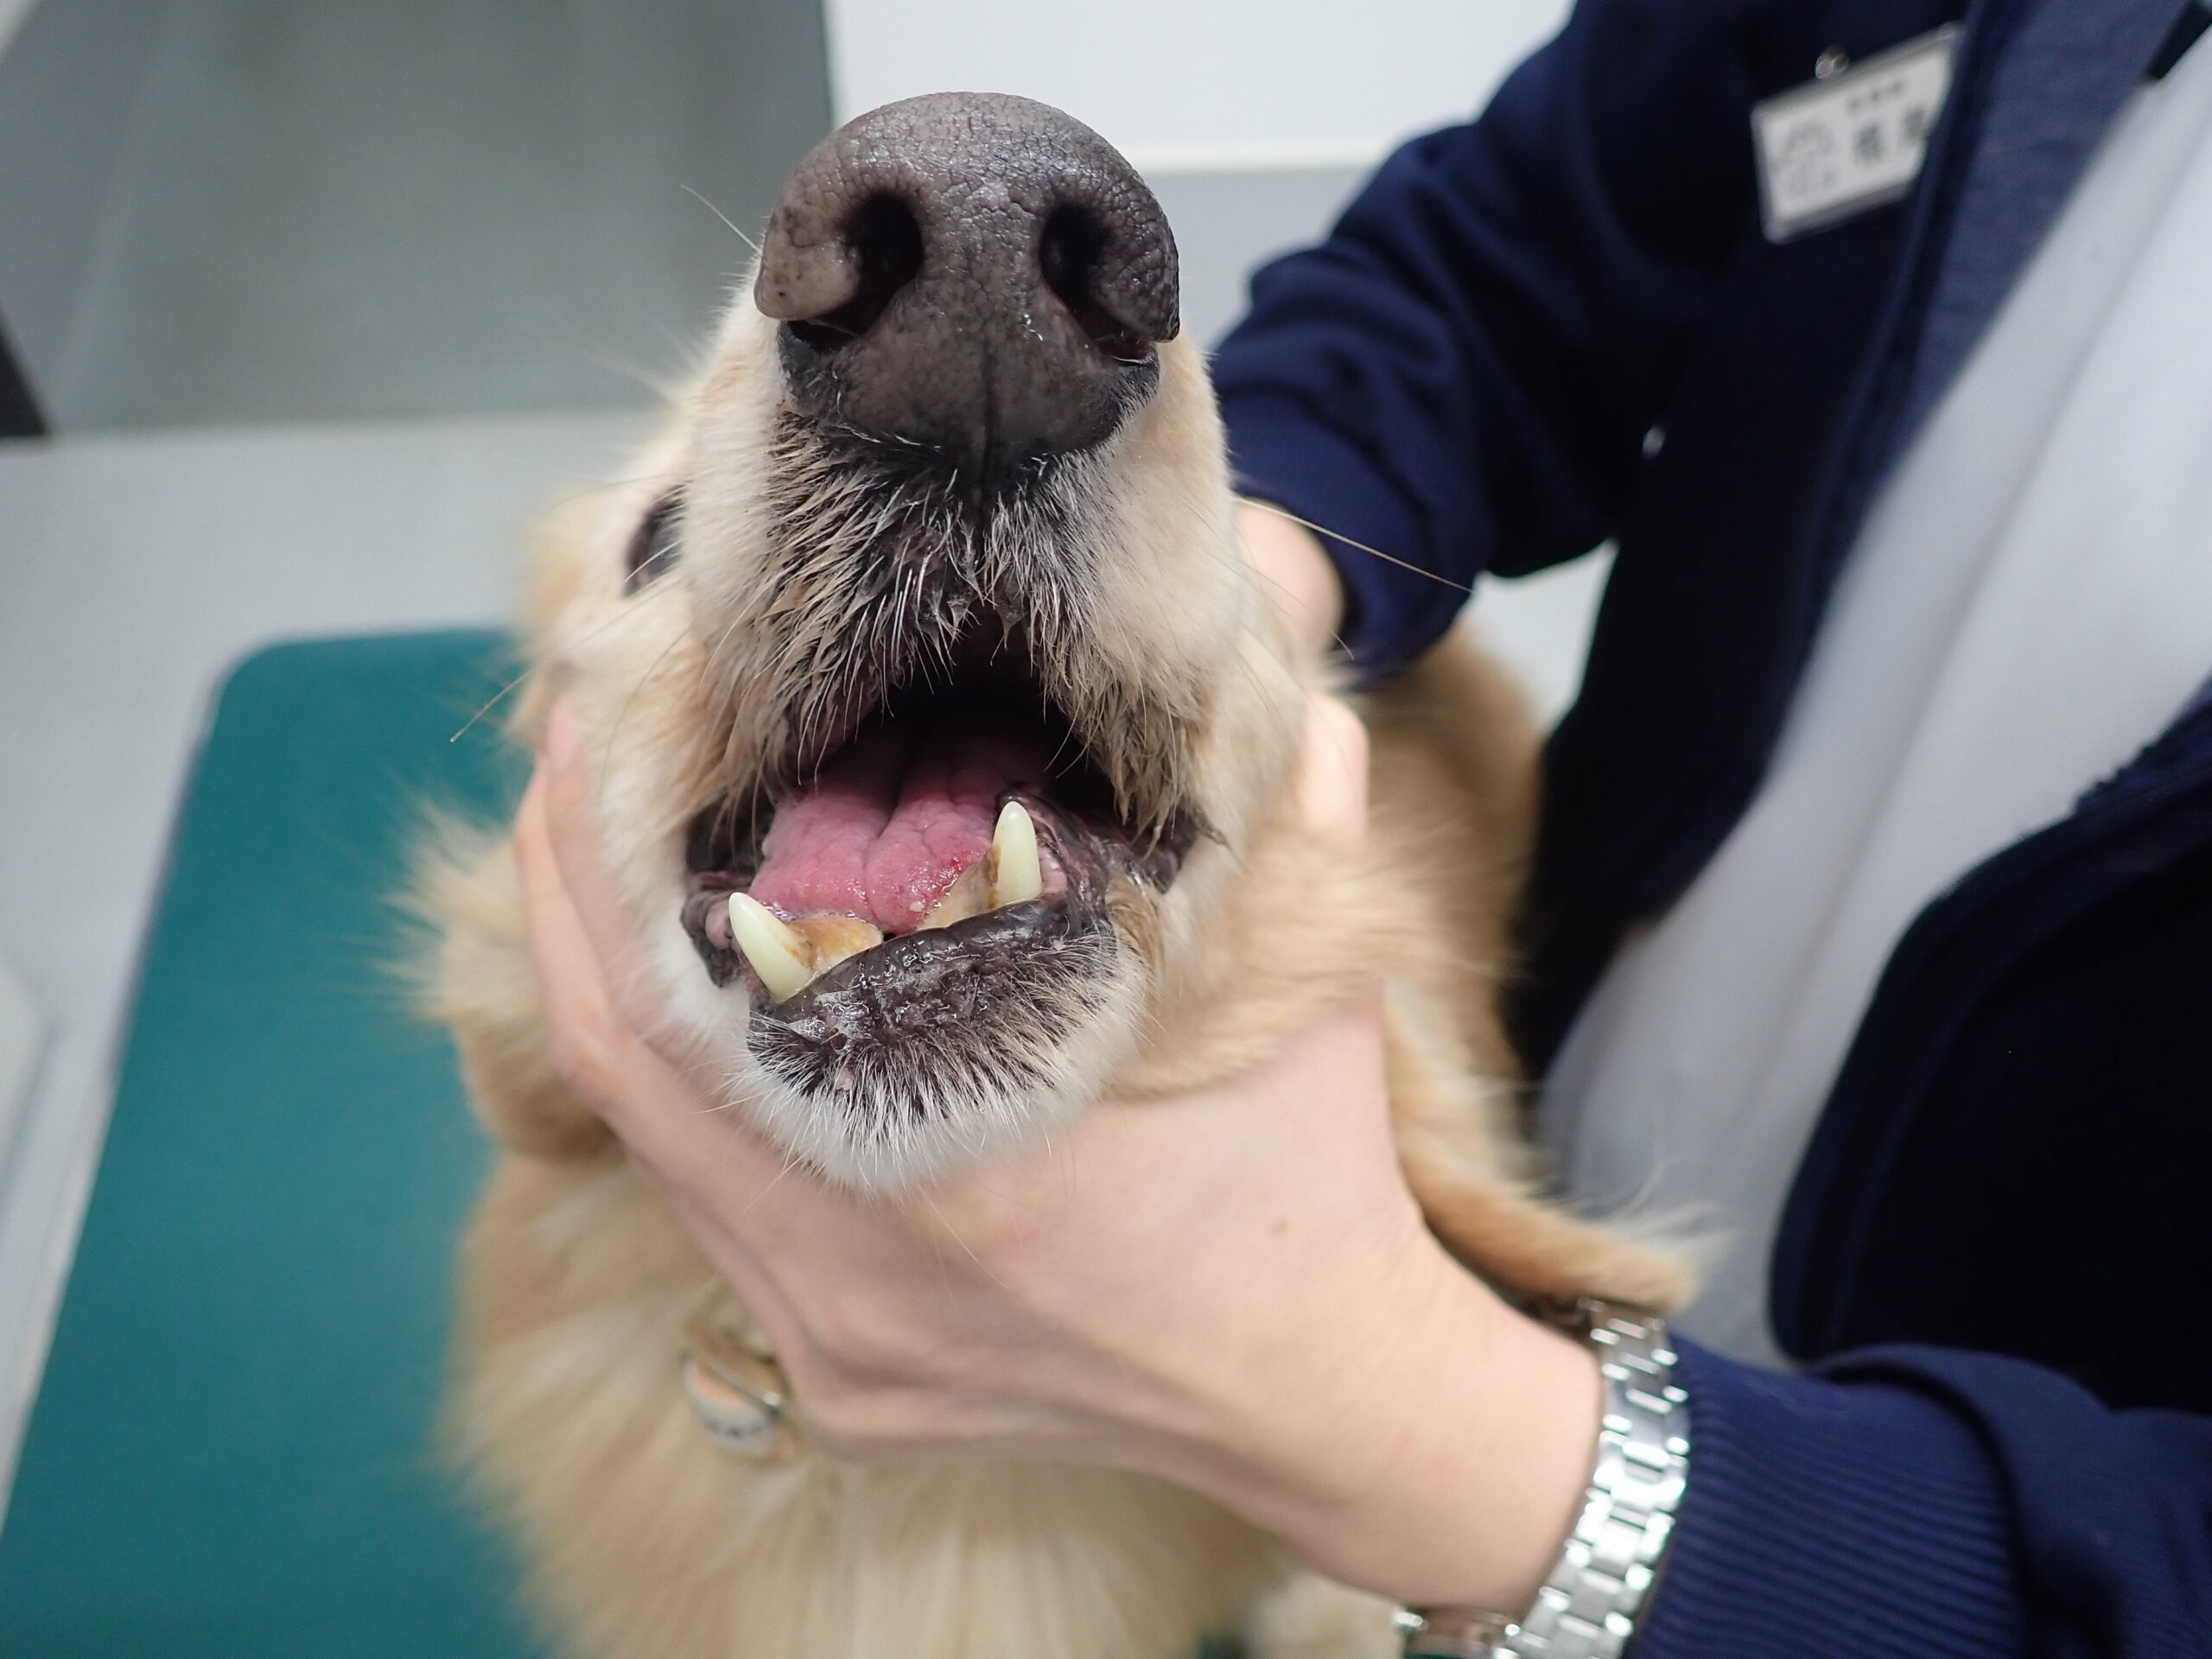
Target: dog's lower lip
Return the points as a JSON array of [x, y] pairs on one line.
[[897, 968], [705, 918], [990, 988]]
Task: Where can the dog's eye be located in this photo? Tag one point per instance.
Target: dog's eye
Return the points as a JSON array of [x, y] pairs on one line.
[[655, 543]]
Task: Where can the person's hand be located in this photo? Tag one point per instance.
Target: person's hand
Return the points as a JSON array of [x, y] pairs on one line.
[[1232, 1289]]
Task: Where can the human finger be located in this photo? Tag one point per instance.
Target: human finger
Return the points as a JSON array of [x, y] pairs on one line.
[[1296, 572], [596, 1046], [593, 1048], [572, 836], [1331, 780]]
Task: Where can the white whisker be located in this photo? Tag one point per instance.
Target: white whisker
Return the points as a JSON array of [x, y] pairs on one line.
[[722, 216]]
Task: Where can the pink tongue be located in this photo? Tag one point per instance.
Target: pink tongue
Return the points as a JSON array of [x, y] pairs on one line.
[[894, 818]]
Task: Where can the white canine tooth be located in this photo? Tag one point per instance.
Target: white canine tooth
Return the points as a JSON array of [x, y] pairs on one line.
[[776, 950], [1015, 873]]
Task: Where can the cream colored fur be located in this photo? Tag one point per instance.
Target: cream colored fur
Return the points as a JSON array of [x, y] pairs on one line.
[[644, 1539]]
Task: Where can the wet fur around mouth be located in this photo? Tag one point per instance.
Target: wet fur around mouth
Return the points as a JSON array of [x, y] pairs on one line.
[[886, 567], [978, 1024], [981, 1008]]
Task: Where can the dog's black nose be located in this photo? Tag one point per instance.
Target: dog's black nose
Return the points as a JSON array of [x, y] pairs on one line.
[[975, 273]]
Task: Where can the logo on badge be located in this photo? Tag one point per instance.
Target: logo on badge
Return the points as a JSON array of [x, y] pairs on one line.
[[1852, 138]]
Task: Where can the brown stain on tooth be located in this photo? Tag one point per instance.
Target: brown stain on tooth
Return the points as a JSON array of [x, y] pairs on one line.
[[831, 940], [787, 956], [970, 895]]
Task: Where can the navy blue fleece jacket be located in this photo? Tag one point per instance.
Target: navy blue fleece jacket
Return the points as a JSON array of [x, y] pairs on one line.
[[1562, 324]]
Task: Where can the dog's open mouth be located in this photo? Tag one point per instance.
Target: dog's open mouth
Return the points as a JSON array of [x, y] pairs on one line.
[[950, 859]]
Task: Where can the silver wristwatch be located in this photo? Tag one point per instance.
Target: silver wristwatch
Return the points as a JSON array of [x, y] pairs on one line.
[[1588, 1607]]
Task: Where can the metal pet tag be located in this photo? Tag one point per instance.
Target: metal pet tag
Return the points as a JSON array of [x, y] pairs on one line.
[[738, 1395], [1852, 139]]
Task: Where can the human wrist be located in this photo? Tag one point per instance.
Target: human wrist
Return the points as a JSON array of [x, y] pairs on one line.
[[1502, 1424], [1592, 1602], [1439, 1455]]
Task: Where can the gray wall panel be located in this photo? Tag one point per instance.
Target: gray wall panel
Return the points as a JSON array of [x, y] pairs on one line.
[[340, 210], [71, 79], [1228, 222]]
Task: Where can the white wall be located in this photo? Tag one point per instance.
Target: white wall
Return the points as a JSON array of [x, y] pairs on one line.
[[1198, 85]]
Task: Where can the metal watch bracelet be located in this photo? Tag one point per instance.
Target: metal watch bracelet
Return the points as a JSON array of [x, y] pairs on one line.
[[1589, 1606]]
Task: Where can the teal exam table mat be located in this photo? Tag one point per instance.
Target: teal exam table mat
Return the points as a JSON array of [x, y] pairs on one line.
[[234, 1449]]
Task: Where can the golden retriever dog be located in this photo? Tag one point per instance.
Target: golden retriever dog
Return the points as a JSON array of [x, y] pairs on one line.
[[941, 741]]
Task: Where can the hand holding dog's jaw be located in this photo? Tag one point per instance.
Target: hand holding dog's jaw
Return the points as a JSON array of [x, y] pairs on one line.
[[1232, 1288]]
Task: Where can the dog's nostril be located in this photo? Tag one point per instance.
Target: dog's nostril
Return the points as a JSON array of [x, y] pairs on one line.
[[885, 241], [1068, 253]]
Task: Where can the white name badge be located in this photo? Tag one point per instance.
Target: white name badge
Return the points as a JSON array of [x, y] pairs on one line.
[[1852, 139]]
